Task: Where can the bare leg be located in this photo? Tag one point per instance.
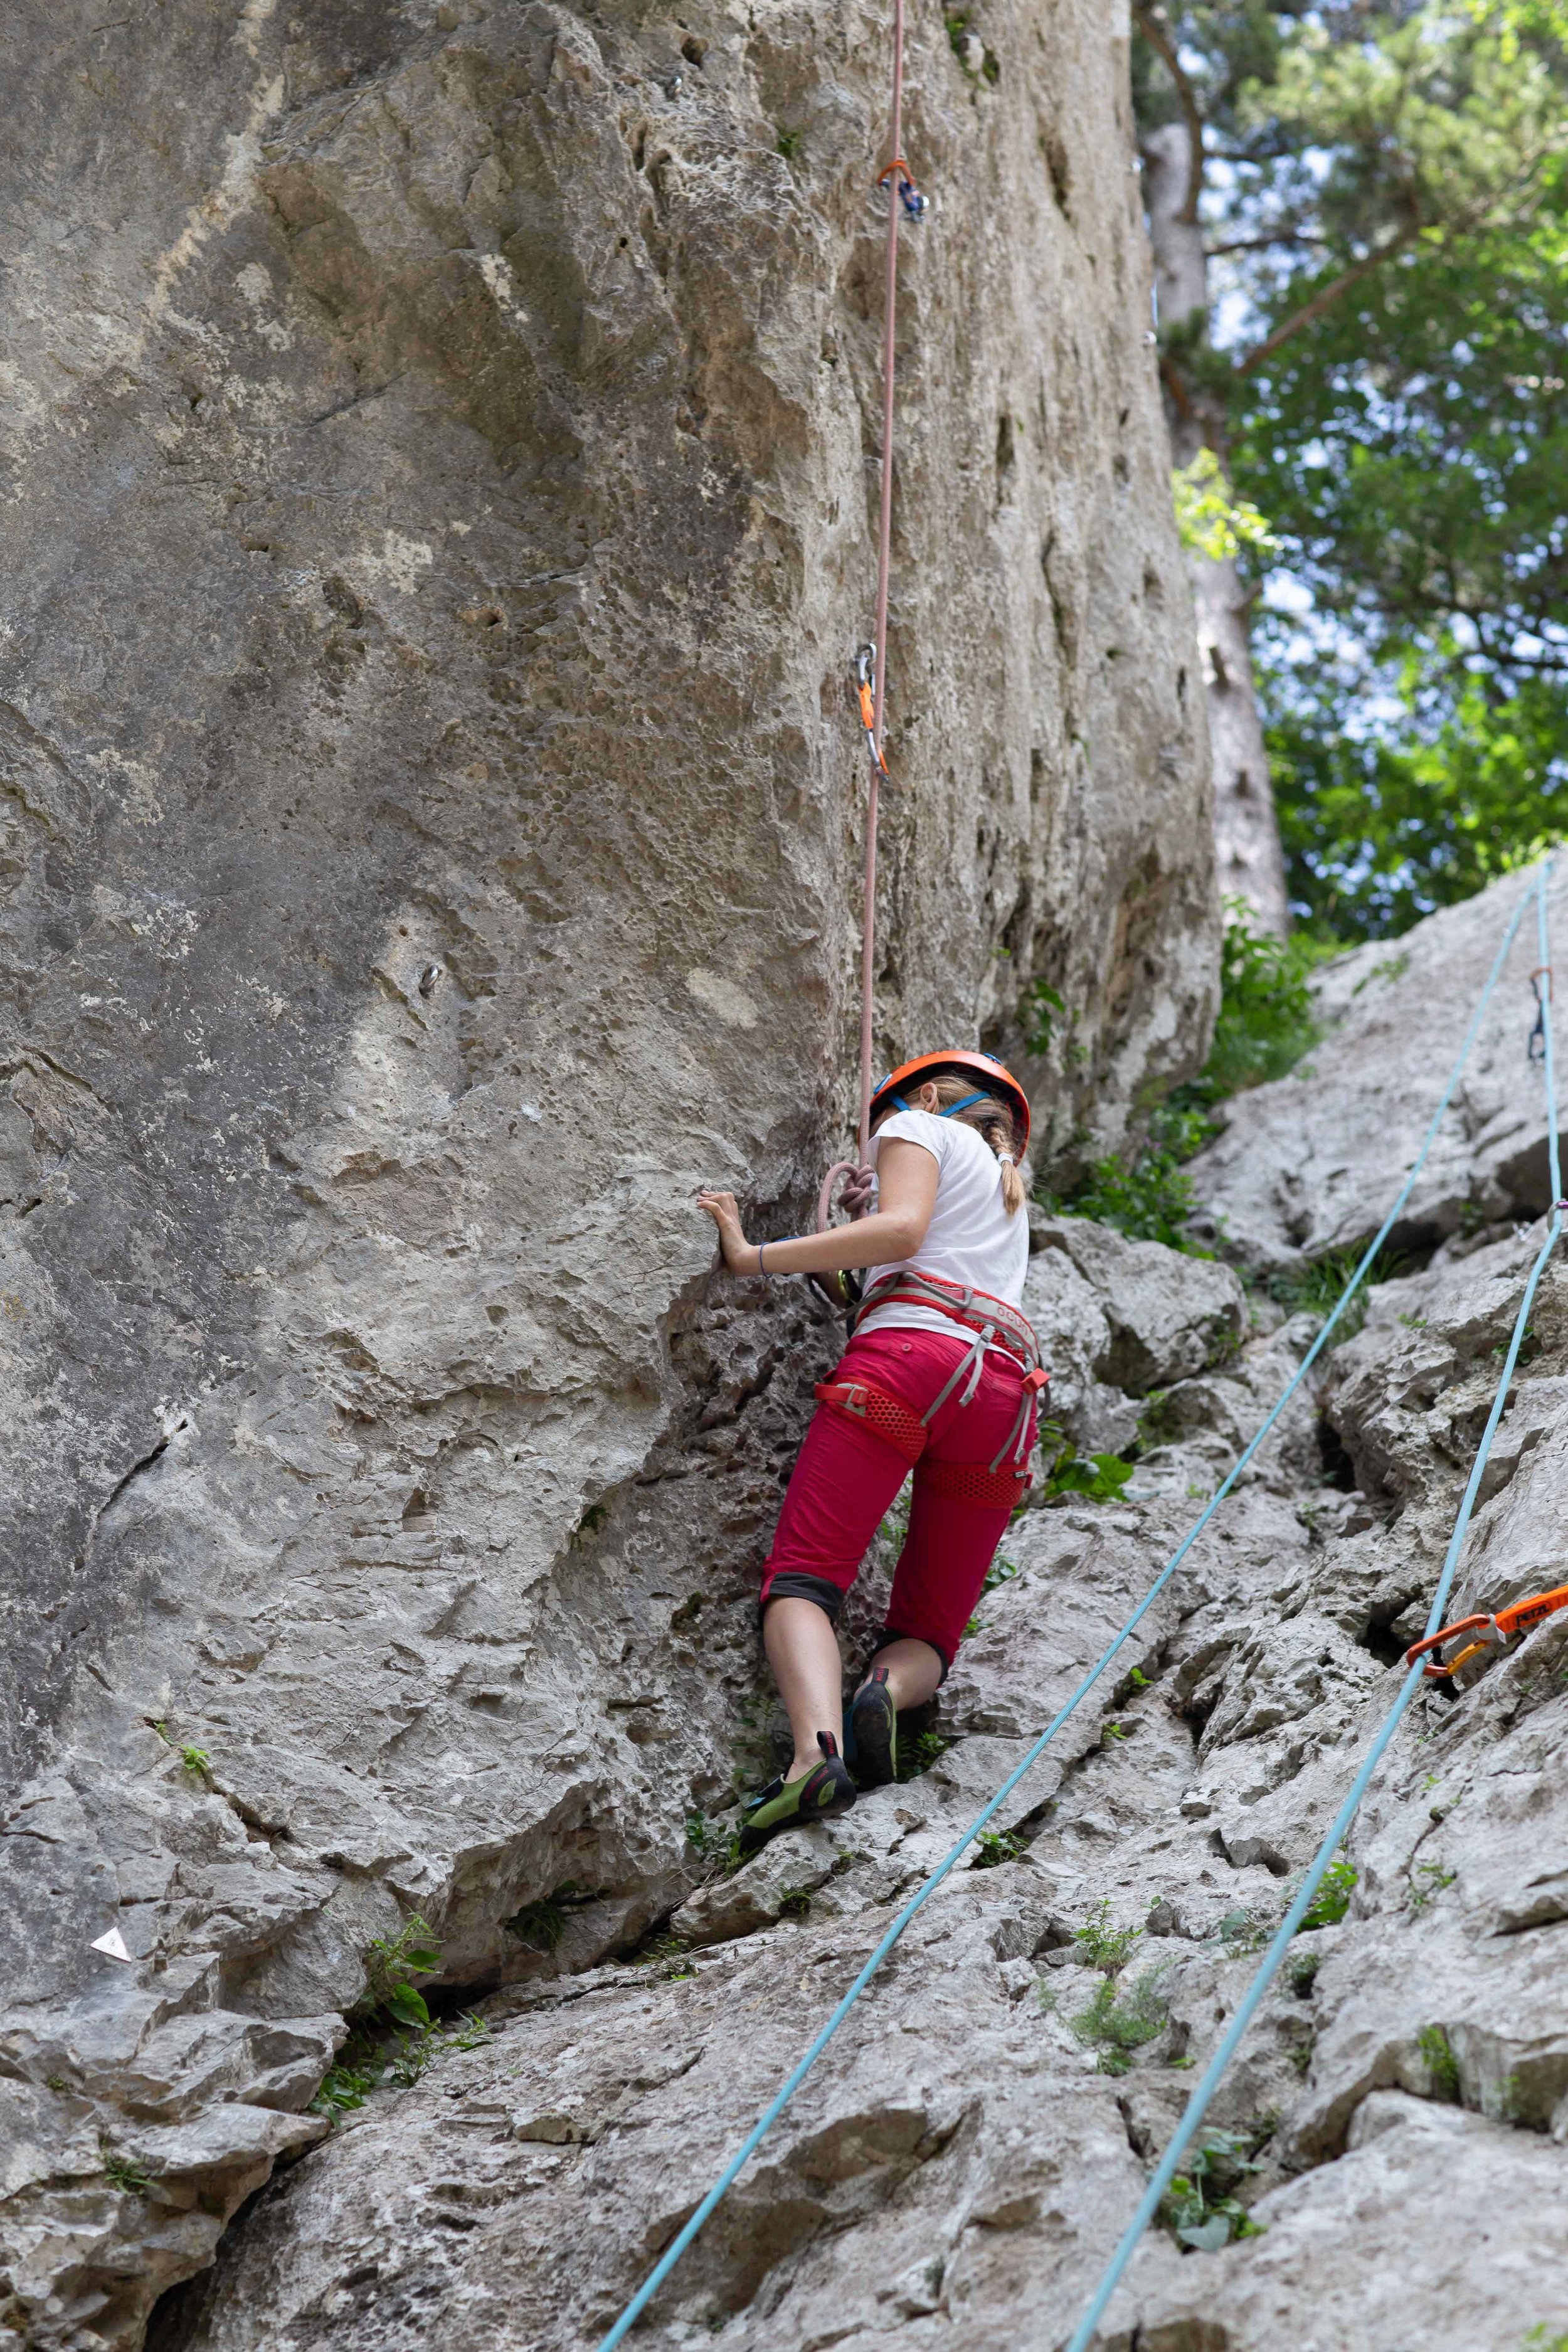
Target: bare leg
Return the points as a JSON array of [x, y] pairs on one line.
[[915, 1671], [804, 1655]]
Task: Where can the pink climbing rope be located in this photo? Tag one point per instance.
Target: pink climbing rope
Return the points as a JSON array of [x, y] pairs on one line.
[[894, 179]]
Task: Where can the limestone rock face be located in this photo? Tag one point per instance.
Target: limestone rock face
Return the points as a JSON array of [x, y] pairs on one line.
[[443, 456], [1312, 1162], [963, 2157]]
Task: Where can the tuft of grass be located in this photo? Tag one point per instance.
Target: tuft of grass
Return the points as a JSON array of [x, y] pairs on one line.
[[996, 1846], [1102, 1946], [1303, 1974], [122, 2172], [1201, 2207], [195, 1759], [670, 1955], [794, 1901], [1314, 1289], [790, 143], [1116, 2028], [1332, 1899], [1442, 2066]]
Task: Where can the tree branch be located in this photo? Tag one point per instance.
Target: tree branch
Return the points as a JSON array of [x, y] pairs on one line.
[[1160, 41], [1327, 296], [1258, 244]]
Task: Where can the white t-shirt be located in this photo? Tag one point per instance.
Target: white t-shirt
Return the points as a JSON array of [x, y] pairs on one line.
[[971, 1238]]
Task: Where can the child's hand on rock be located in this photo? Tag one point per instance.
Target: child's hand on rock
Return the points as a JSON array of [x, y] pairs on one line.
[[740, 1255]]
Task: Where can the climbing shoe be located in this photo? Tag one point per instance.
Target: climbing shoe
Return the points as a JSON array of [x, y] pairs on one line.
[[816, 1796], [874, 1724]]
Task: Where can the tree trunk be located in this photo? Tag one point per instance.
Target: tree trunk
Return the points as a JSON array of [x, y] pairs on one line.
[[1247, 829]]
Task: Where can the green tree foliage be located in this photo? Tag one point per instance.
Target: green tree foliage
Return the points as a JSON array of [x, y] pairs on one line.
[[1386, 213]]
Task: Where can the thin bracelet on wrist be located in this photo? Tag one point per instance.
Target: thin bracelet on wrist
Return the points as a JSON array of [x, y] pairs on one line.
[[764, 1247]]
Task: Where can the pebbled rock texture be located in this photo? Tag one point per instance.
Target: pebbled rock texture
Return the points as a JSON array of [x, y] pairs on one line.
[[442, 452], [962, 2161]]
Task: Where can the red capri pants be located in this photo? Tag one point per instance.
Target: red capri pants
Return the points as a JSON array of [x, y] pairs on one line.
[[847, 1477]]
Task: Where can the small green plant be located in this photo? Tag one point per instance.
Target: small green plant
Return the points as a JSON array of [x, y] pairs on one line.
[[391, 1964], [1048, 1006], [1201, 2208], [1001, 1571], [794, 1901], [1303, 1973], [343, 2087], [918, 1755], [195, 1759], [1241, 1933], [1098, 1479], [1301, 2053], [1138, 1679], [703, 1836], [595, 1516], [670, 1955], [1102, 1946], [1112, 1731], [1436, 1879], [122, 2172], [1442, 2066], [1149, 1202], [790, 143], [1116, 2028], [996, 1846], [1314, 1287], [1538, 2340], [55, 2083], [1413, 1322], [1332, 1899]]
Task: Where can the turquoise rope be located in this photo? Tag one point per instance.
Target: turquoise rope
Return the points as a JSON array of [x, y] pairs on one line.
[[1196, 2106], [922, 1896]]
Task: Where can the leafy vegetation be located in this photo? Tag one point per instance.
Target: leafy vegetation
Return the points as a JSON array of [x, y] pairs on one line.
[[1201, 2207], [1442, 2066], [1315, 1287], [1332, 1899], [996, 1846], [1092, 1478], [393, 2038], [195, 1759], [1116, 2027], [918, 1755], [1264, 1026], [1102, 1946]]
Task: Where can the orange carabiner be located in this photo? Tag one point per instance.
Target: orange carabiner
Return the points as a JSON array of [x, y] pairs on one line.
[[1493, 1630]]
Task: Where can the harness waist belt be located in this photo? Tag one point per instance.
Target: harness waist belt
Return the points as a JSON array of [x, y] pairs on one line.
[[1004, 1325]]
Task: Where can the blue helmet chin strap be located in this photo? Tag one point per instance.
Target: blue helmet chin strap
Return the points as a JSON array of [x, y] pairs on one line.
[[962, 1104]]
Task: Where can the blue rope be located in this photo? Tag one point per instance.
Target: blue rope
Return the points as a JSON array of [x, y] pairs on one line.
[[922, 1896], [1196, 2106]]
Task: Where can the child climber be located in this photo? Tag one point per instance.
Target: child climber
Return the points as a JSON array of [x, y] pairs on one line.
[[941, 1374]]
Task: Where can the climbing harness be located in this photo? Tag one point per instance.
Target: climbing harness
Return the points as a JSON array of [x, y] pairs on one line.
[[1491, 1633], [782, 2097], [990, 1323], [1196, 2106]]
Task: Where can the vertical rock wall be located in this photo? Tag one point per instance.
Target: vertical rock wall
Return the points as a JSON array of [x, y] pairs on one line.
[[441, 460]]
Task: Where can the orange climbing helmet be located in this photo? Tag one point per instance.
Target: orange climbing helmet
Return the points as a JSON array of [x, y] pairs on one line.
[[992, 1075]]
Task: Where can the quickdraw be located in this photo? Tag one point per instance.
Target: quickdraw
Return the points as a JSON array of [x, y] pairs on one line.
[[1491, 1632], [865, 687], [915, 205], [1537, 1048]]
